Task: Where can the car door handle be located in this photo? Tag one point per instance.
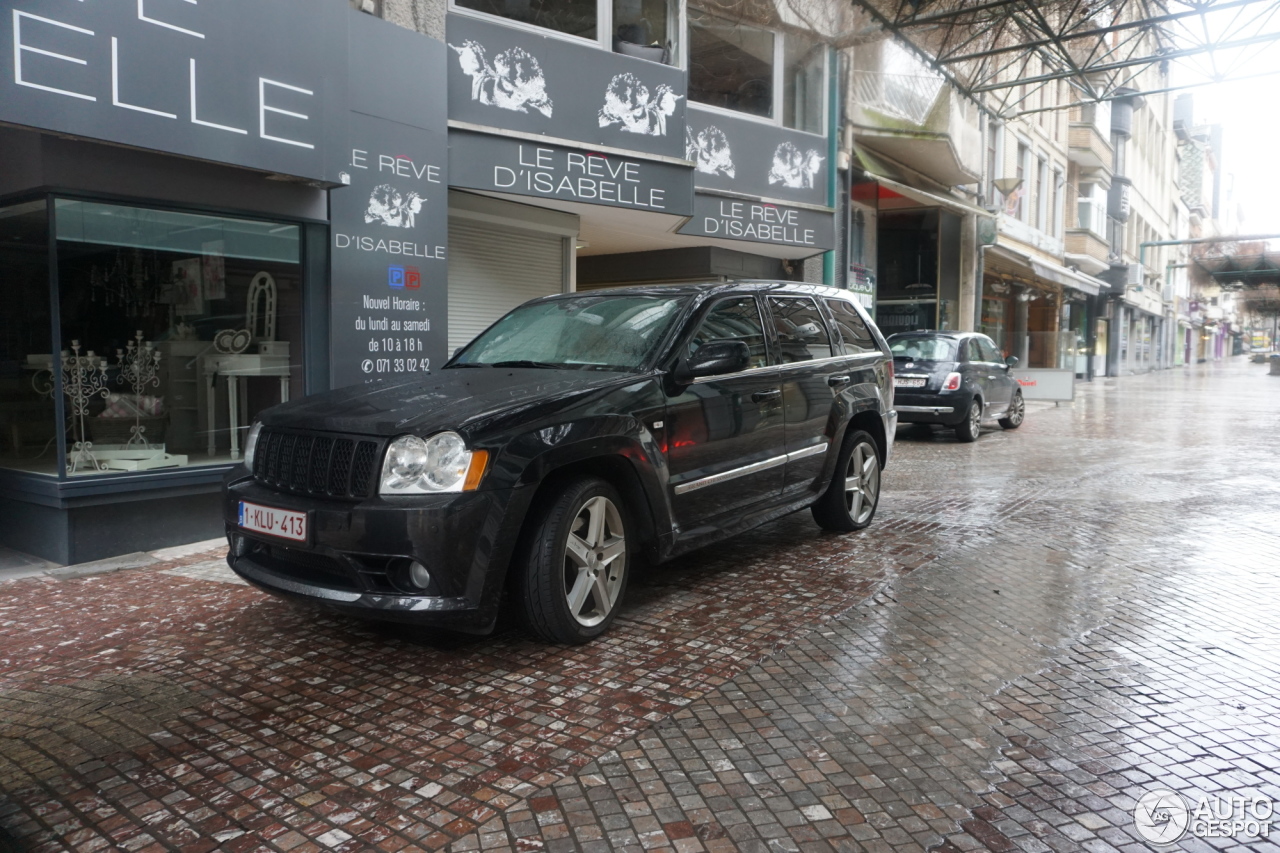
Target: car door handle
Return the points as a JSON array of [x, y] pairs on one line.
[[843, 379], [761, 396], [991, 377]]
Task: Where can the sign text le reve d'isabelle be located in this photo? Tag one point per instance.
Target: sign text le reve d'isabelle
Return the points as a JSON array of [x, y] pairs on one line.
[[544, 170]]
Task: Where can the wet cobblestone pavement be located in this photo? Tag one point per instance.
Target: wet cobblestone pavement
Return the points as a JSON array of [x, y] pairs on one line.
[[1038, 629]]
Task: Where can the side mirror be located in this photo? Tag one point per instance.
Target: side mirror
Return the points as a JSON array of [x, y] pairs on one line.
[[1011, 361], [456, 351], [715, 358]]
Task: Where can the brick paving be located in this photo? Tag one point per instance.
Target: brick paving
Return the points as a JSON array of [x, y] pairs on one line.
[[1039, 628]]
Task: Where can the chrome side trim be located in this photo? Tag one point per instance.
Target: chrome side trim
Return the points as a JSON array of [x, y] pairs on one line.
[[815, 362], [750, 371], [808, 451], [731, 474], [933, 410]]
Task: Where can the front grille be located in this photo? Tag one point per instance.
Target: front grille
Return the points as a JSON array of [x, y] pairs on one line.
[[305, 566], [316, 464]]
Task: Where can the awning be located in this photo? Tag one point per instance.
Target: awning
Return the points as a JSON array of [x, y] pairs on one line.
[[1049, 271], [933, 200]]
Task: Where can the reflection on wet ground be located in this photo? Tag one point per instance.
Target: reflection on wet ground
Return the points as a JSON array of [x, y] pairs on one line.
[[1039, 628]]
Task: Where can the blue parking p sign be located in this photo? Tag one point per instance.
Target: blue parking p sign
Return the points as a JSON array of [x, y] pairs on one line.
[[395, 276]]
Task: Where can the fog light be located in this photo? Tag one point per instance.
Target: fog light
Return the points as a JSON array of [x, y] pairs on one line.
[[418, 575]]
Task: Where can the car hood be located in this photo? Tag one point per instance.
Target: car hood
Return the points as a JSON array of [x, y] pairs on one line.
[[459, 398]]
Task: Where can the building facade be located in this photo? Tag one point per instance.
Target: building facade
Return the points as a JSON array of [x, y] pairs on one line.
[[209, 208]]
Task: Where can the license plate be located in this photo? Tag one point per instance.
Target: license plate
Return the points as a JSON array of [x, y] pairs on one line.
[[284, 523], [903, 382]]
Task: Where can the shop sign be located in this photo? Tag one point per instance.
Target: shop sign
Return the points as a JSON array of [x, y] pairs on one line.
[[252, 84], [389, 222], [761, 222], [499, 164], [754, 158], [1046, 384], [905, 317], [510, 78]]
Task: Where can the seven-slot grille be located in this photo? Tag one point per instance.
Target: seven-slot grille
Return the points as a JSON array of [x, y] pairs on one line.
[[337, 466]]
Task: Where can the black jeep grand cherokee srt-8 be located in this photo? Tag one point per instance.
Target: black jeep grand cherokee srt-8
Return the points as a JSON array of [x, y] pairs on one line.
[[576, 434]]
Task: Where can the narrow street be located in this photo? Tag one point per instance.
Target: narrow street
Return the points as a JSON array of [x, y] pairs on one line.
[[1039, 628]]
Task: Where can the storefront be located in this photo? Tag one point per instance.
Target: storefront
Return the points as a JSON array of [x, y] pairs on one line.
[[917, 249], [208, 211]]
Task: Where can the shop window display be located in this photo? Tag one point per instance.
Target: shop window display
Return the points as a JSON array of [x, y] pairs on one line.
[[176, 329], [28, 418]]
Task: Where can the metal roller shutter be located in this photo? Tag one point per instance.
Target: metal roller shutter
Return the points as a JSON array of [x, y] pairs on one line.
[[492, 270]]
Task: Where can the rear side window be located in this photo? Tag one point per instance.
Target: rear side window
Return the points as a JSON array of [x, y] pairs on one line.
[[972, 350], [735, 319], [857, 337], [801, 328]]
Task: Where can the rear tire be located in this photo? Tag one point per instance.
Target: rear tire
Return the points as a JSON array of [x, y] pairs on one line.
[[574, 572], [969, 428], [1017, 412], [852, 497]]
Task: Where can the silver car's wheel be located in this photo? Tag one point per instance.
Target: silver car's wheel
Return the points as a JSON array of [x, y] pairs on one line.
[[971, 426], [862, 483], [1017, 411], [595, 561]]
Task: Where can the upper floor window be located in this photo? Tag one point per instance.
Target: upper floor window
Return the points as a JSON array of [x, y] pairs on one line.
[[749, 69], [1092, 208], [573, 17], [642, 28], [645, 28]]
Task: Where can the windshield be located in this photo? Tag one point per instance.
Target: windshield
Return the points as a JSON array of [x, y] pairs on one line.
[[924, 349], [584, 332]]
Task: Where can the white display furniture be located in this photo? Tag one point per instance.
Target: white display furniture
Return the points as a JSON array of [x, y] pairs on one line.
[[236, 367]]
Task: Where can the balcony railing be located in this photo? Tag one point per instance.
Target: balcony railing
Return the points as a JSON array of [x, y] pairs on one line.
[[906, 96]]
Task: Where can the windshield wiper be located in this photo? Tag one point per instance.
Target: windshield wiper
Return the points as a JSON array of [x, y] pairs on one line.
[[527, 363]]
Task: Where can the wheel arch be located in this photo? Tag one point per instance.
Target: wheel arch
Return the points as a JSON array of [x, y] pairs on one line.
[[870, 421]]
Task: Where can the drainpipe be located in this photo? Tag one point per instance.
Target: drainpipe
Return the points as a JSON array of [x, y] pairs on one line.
[[833, 123]]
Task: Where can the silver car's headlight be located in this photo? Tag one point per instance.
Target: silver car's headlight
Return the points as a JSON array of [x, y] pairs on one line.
[[441, 463], [251, 444]]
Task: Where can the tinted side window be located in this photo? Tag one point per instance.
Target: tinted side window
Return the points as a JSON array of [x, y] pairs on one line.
[[971, 350], [734, 319], [989, 351], [801, 328], [857, 337]]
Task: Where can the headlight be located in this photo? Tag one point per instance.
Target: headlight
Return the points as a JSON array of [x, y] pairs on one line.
[[441, 463], [251, 444]]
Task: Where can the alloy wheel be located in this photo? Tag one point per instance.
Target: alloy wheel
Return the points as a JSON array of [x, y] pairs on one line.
[[975, 417], [862, 482], [1017, 410], [595, 561]]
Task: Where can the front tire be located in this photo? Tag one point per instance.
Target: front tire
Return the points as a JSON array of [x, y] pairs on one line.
[[851, 499], [575, 566], [971, 426], [1017, 412]]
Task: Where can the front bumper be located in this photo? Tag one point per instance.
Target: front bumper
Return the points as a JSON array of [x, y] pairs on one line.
[[357, 555]]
